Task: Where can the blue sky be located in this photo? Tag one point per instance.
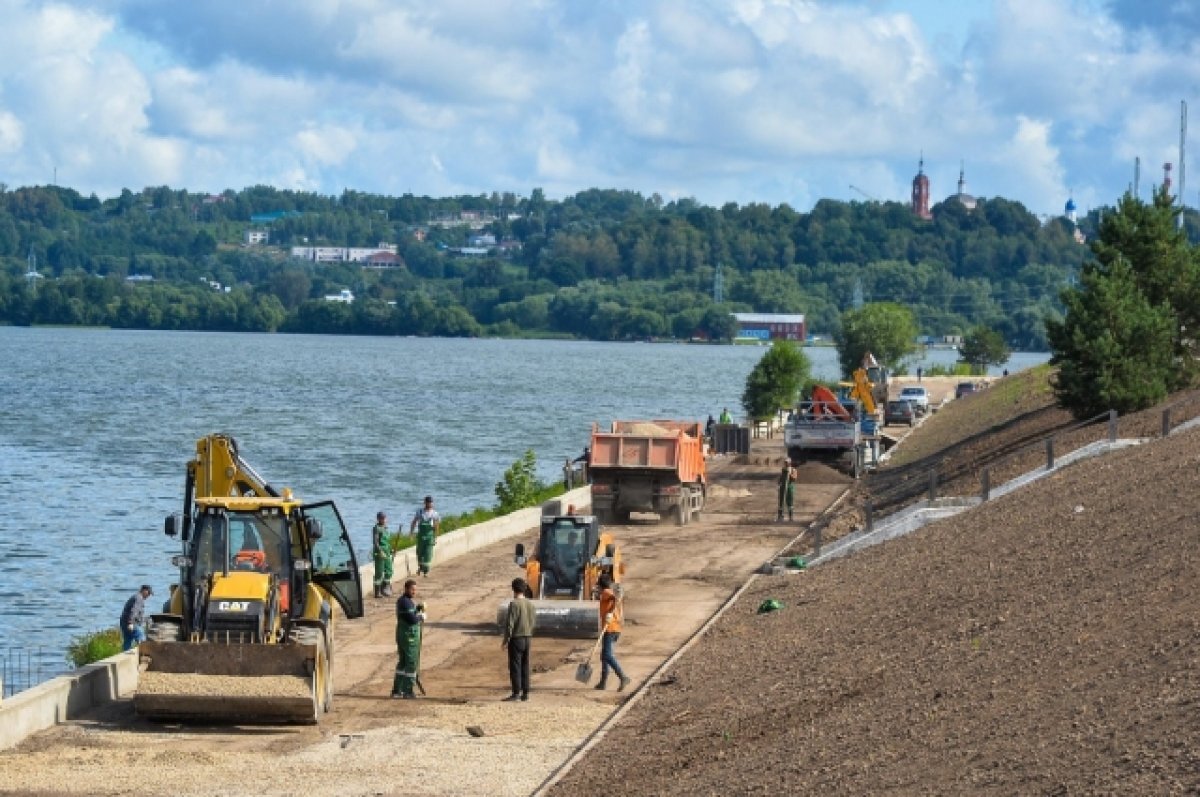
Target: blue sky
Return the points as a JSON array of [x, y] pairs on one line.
[[721, 100]]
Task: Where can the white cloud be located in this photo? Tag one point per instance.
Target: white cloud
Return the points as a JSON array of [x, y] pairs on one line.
[[12, 134], [752, 100]]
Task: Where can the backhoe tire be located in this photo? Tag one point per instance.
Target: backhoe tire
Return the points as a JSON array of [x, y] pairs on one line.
[[165, 631]]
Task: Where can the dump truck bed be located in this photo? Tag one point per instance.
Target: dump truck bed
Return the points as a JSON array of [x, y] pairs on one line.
[[649, 445]]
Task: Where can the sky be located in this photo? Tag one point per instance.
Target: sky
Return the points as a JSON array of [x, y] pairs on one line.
[[774, 101]]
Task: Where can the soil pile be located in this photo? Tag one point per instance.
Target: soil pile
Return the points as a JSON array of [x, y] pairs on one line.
[[1046, 642]]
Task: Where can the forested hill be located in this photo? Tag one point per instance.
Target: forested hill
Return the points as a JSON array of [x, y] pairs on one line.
[[602, 264]]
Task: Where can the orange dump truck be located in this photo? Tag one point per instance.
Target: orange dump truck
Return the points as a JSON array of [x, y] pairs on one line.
[[647, 466]]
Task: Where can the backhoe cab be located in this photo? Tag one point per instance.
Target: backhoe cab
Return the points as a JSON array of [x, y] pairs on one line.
[[562, 572], [247, 633]]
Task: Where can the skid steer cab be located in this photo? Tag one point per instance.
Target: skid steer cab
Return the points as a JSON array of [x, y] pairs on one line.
[[562, 572]]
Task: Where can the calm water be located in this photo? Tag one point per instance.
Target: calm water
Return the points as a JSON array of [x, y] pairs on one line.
[[96, 426]]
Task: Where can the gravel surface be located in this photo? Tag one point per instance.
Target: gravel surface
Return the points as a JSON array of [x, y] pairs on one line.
[[173, 683], [1047, 642]]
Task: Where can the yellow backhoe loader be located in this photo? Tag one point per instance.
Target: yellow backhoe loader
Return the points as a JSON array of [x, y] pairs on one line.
[[247, 633], [571, 555]]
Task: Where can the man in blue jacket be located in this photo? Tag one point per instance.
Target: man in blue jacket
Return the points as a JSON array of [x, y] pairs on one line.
[[133, 616]]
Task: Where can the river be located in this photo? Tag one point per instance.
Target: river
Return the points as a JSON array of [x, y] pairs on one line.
[[96, 426]]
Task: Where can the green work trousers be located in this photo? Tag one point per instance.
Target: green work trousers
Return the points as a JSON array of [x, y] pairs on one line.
[[408, 657], [383, 568], [425, 542]]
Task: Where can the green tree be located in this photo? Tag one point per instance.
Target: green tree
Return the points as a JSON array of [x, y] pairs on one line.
[[519, 487], [1165, 268], [888, 331], [1113, 349], [982, 347], [776, 380]]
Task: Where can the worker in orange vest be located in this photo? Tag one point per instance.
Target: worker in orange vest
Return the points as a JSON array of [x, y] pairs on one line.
[[611, 614]]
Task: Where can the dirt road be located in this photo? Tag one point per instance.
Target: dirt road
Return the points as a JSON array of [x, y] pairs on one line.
[[676, 578]]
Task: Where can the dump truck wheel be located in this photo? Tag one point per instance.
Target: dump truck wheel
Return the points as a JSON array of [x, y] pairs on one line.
[[680, 514], [165, 631]]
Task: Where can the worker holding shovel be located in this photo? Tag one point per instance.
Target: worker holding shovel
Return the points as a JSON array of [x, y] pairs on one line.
[[610, 621], [410, 616]]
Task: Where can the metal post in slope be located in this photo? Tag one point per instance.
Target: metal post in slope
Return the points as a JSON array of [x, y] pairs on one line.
[[1049, 453], [1112, 426], [985, 480]]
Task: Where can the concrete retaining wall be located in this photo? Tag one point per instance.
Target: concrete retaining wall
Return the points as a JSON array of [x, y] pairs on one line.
[[68, 696]]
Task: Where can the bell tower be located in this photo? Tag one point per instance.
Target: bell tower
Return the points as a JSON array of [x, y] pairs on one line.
[[920, 192]]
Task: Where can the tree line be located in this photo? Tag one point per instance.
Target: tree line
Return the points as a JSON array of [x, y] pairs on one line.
[[601, 264]]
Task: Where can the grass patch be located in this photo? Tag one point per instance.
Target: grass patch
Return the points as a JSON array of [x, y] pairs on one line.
[[1005, 399], [93, 646]]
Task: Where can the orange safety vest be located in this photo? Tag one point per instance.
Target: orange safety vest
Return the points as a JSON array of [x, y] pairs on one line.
[[610, 605]]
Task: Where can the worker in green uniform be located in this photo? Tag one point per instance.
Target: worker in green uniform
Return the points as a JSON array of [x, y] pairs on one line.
[[381, 549], [425, 523], [409, 618], [787, 491]]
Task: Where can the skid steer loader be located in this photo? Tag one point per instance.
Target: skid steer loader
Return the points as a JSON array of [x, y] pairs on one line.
[[247, 633], [571, 555]]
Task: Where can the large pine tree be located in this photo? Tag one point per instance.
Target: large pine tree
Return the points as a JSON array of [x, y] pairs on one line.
[[1128, 336]]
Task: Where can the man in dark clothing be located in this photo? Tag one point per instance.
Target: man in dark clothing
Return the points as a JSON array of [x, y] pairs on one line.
[[787, 491], [410, 616], [132, 617], [518, 630]]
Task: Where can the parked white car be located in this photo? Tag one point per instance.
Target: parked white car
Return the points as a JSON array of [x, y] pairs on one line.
[[918, 397]]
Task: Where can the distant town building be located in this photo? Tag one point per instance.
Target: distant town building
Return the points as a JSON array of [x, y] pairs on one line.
[[770, 326], [344, 295], [341, 254], [920, 192], [139, 278], [383, 260], [257, 237], [274, 215]]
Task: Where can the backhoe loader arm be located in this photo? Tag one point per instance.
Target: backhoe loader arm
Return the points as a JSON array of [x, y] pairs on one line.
[[862, 391], [218, 470]]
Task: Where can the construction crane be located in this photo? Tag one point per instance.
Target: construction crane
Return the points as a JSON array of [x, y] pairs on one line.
[[864, 193]]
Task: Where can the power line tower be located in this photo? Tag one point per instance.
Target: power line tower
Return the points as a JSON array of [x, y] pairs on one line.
[[719, 285], [32, 275]]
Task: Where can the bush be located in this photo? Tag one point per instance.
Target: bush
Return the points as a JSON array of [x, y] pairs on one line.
[[94, 646], [519, 486]]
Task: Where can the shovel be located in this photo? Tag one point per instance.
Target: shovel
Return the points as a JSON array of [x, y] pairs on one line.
[[583, 673]]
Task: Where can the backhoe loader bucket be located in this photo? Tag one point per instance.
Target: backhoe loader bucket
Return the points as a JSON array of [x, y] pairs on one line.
[[247, 683], [573, 619]]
